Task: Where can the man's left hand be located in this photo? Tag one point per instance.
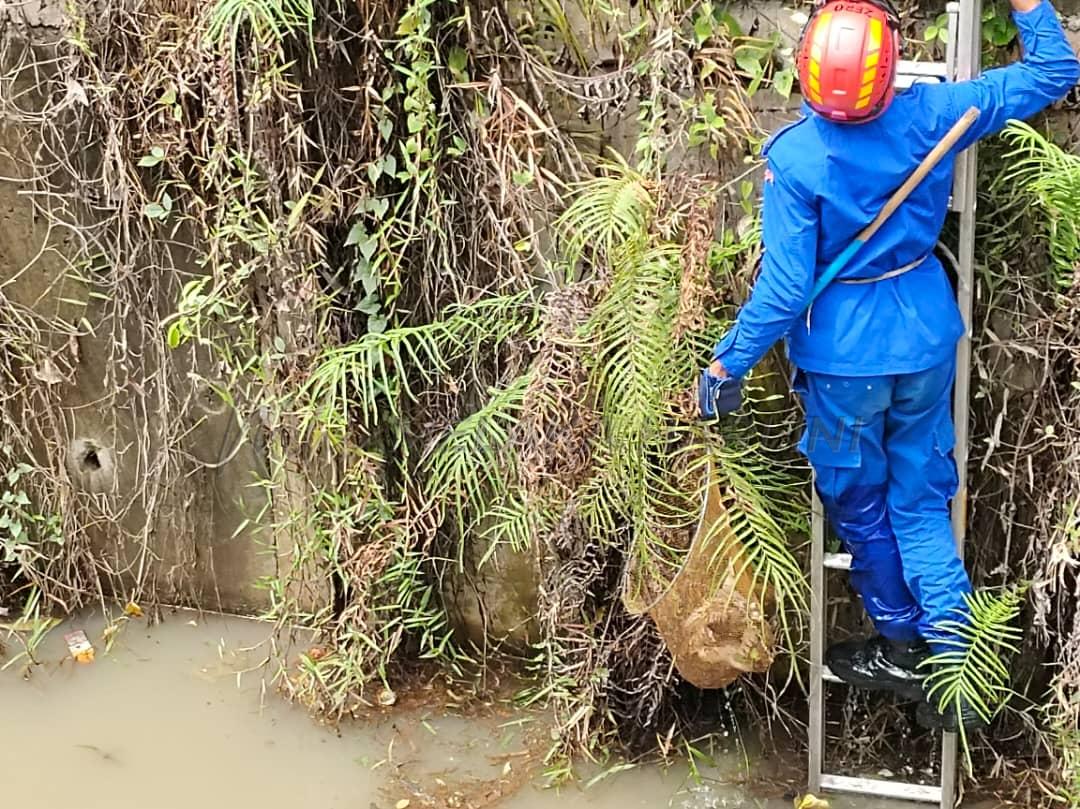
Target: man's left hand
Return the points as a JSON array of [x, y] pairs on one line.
[[718, 393]]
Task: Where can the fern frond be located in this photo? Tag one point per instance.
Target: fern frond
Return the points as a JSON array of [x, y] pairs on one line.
[[607, 212], [468, 465], [972, 670], [352, 380], [1052, 177]]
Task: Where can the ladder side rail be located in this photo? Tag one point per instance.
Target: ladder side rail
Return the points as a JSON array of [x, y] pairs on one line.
[[968, 58], [818, 599]]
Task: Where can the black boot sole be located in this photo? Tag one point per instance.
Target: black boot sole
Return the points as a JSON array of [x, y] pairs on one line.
[[908, 691], [928, 718]]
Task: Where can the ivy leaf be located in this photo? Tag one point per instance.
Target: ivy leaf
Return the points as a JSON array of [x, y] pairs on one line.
[[408, 25], [154, 210], [356, 233], [755, 83], [458, 59], [459, 147], [386, 128], [175, 335], [458, 62], [376, 324], [749, 61], [370, 304], [703, 29], [365, 274], [732, 25], [783, 81], [379, 207], [368, 247], [157, 154]]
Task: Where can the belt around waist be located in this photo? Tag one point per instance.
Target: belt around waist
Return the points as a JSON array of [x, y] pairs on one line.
[[886, 275]]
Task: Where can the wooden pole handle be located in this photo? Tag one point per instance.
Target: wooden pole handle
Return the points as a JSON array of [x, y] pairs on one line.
[[925, 167]]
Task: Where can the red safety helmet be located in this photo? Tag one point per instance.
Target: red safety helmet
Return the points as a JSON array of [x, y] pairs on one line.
[[847, 59]]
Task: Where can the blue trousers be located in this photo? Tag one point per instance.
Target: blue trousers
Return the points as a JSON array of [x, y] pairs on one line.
[[881, 448]]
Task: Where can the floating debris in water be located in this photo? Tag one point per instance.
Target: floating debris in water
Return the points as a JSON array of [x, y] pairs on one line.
[[79, 646]]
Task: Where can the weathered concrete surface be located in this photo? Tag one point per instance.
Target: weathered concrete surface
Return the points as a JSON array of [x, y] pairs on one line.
[[208, 545], [97, 367], [47, 14], [495, 601]]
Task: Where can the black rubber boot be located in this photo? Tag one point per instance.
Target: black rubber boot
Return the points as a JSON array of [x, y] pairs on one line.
[[928, 716], [878, 664]]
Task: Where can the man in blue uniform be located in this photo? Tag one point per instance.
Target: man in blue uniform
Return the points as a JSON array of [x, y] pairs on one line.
[[875, 354]]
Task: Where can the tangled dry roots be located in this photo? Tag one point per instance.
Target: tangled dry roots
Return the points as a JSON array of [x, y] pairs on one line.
[[201, 191], [213, 207]]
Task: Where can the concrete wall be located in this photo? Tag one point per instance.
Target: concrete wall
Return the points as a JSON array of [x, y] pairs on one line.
[[212, 543], [97, 407]]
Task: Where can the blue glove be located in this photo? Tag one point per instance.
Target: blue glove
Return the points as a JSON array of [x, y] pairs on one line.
[[718, 397]]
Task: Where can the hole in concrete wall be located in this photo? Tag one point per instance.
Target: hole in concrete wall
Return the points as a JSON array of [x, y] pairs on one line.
[[90, 464], [90, 460]]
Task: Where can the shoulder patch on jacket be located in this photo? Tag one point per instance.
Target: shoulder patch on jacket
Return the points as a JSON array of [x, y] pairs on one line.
[[779, 132]]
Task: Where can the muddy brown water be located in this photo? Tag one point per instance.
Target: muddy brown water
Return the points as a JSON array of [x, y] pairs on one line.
[[181, 715]]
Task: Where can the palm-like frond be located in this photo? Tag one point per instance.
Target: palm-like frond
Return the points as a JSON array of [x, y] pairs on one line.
[[358, 379], [639, 369], [556, 13], [468, 466], [514, 521], [633, 327], [765, 508], [1052, 176], [268, 20], [607, 212], [972, 670], [636, 367]]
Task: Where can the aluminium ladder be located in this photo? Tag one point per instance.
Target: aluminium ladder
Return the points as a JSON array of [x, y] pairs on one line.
[[961, 63]]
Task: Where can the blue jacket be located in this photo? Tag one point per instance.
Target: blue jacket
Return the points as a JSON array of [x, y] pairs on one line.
[[826, 181]]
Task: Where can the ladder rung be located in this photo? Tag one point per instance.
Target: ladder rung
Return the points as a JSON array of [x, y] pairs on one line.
[[838, 561], [828, 676], [908, 72], [884, 789]]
